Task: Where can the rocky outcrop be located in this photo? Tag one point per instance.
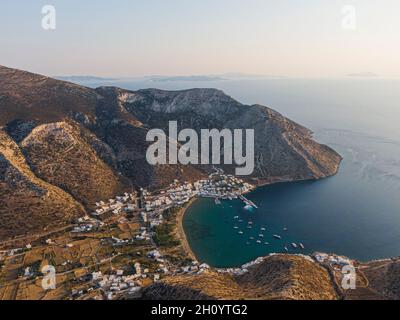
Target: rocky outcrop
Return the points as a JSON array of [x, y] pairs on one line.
[[278, 277], [27, 203], [58, 149]]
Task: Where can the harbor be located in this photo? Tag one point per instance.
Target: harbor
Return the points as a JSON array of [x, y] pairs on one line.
[[228, 235], [225, 233]]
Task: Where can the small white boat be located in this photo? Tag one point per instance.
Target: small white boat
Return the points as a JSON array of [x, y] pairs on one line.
[[240, 232], [236, 217], [286, 249], [258, 241], [249, 227], [294, 245], [235, 227], [277, 237], [261, 235], [263, 229], [267, 243], [285, 229], [251, 238], [301, 246]]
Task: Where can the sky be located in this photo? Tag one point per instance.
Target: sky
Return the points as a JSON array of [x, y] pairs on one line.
[[127, 38]]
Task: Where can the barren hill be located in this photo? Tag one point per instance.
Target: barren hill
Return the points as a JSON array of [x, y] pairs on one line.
[[27, 203], [278, 277]]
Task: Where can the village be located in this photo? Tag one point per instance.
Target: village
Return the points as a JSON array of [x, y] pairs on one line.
[[125, 234], [127, 243], [129, 246]]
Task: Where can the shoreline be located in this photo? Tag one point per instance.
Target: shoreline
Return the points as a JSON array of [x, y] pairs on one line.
[[180, 232]]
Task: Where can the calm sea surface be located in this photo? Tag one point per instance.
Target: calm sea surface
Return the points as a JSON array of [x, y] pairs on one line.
[[356, 213]]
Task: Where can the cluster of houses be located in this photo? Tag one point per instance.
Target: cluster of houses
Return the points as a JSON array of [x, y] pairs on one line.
[[243, 269], [222, 186], [194, 268], [116, 242], [175, 195], [118, 283], [144, 235], [217, 186], [151, 206], [332, 260], [86, 224], [162, 264], [116, 205]]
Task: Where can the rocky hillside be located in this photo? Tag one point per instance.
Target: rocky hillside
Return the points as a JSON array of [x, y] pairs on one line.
[[284, 150], [27, 203], [55, 149], [87, 145], [279, 277], [384, 277]]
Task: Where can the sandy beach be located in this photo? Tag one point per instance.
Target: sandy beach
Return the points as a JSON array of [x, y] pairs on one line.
[[180, 233]]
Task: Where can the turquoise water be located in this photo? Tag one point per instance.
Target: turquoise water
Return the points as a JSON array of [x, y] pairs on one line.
[[356, 213]]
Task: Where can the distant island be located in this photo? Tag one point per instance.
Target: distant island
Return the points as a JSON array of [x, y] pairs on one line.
[[363, 75], [83, 78], [185, 78]]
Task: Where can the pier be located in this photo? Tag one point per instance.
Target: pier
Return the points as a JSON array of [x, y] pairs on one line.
[[248, 202]]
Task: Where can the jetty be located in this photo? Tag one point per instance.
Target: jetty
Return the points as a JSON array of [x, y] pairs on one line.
[[248, 202]]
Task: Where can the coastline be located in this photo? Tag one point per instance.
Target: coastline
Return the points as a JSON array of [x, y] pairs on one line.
[[180, 232]]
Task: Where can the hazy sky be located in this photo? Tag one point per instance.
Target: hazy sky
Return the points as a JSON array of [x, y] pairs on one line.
[[300, 38]]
